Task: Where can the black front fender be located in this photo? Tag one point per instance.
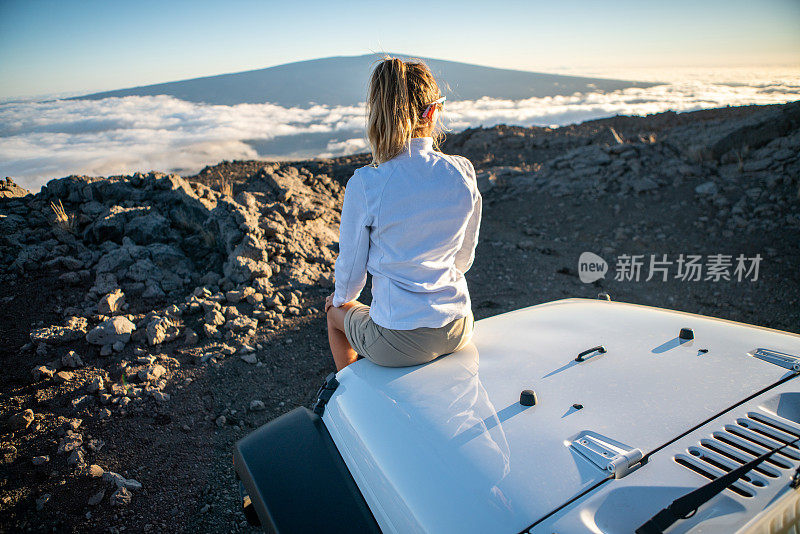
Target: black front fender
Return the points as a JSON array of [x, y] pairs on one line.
[[296, 480]]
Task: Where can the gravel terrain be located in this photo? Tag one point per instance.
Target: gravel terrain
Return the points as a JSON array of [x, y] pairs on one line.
[[149, 321]]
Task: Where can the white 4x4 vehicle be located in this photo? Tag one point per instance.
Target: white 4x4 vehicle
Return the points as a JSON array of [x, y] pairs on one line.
[[575, 416]]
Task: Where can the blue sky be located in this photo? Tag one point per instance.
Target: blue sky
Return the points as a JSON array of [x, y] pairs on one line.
[[51, 47]]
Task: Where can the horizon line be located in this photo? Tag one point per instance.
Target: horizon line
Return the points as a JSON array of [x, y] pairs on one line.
[[46, 97]]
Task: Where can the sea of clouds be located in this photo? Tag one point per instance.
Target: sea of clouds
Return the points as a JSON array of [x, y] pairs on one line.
[[41, 140]]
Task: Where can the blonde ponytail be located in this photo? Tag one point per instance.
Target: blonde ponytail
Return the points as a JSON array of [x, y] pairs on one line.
[[399, 92]]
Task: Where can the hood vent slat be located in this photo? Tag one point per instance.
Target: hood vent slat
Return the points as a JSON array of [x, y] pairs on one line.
[[764, 441], [769, 432], [775, 424], [736, 444], [711, 474], [725, 464], [751, 448], [738, 456]]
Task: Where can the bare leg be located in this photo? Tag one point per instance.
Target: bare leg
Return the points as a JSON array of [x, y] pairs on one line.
[[343, 353]]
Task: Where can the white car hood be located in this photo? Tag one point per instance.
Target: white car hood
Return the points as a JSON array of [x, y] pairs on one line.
[[447, 447]]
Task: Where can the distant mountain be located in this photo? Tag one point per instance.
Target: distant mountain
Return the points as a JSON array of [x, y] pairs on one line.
[[342, 80]]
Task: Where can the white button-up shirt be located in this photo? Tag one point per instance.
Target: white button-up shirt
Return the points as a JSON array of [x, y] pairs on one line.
[[413, 223]]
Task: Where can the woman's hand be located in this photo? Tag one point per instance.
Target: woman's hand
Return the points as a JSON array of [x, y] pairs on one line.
[[328, 302]]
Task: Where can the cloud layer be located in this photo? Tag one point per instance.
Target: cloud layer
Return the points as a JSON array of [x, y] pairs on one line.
[[44, 140]]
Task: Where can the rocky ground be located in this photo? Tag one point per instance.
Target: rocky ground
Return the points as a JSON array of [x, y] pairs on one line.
[[149, 321]]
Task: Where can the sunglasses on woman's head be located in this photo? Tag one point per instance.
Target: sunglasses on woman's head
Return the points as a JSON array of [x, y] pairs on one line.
[[429, 110]]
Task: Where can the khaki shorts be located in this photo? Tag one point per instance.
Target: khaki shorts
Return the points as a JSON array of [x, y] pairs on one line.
[[401, 348]]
